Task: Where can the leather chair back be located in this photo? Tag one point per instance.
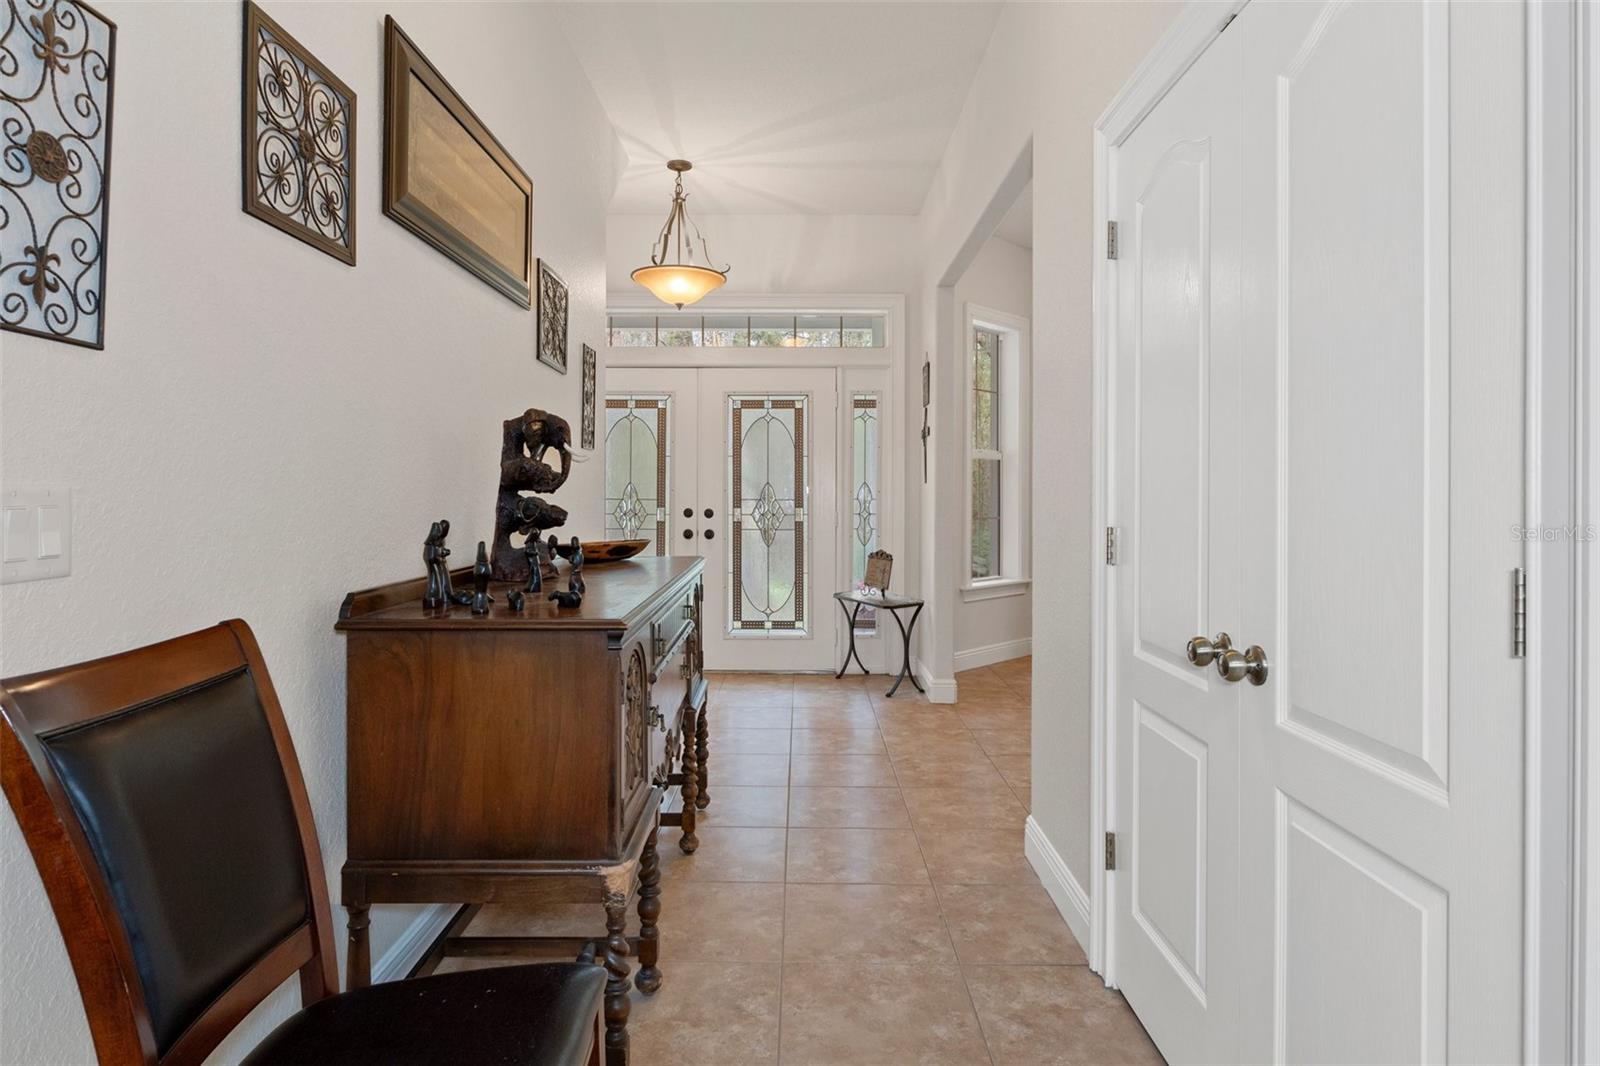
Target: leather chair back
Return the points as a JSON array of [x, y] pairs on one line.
[[160, 795]]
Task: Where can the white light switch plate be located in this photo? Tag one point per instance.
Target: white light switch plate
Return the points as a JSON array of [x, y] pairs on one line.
[[35, 532]]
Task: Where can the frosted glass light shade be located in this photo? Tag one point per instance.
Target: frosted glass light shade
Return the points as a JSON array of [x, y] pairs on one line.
[[679, 285]]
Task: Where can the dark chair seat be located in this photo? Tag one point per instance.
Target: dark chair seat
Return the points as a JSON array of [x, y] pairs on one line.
[[529, 1015]]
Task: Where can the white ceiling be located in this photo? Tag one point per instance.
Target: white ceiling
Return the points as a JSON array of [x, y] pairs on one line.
[[1017, 226], [812, 108]]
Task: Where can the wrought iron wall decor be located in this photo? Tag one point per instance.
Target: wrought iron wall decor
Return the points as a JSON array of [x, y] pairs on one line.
[[299, 140], [445, 176], [552, 318], [57, 59], [591, 371]]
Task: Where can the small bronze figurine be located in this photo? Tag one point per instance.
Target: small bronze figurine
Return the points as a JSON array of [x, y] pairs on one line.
[[433, 553], [566, 599], [480, 581], [514, 600], [575, 578], [534, 550], [440, 591]]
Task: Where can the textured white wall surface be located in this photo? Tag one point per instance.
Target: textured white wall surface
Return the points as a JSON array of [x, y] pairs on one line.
[[1049, 72], [267, 427], [1000, 279]]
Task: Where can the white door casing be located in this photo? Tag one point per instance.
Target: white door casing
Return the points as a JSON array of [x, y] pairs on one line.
[[1176, 401]]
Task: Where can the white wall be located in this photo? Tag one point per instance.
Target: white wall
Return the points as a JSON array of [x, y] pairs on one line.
[[268, 428], [999, 279], [1049, 71]]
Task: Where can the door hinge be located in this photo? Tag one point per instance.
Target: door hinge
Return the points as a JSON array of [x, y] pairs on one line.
[[1519, 613], [1111, 545], [1111, 851], [1111, 240]]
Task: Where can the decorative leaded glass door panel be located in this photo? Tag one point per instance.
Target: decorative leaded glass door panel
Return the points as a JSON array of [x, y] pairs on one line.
[[767, 472], [766, 522], [651, 451], [638, 453]]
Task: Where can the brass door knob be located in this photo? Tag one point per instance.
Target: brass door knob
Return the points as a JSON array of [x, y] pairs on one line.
[[1237, 665], [1203, 652]]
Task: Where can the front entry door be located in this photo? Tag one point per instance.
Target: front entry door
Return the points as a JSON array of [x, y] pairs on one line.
[[1318, 449], [753, 488]]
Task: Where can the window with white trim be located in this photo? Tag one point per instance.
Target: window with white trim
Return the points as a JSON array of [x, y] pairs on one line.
[[998, 468], [987, 456]]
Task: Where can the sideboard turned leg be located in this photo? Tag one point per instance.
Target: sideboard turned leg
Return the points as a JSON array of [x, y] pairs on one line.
[[688, 842], [702, 752], [649, 976], [617, 983], [358, 967]]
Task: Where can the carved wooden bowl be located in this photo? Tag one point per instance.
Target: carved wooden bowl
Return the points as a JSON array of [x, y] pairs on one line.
[[600, 552]]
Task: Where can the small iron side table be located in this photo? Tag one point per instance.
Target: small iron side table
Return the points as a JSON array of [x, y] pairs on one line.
[[894, 605]]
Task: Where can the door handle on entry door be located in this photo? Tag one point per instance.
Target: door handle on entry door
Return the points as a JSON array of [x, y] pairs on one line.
[[1235, 666], [1203, 652]]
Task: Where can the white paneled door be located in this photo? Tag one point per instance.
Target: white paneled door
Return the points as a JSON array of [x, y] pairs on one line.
[[752, 487], [1318, 389], [1177, 421]]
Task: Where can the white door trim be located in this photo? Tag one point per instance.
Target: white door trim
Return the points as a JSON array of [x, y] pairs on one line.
[[1587, 640], [1188, 36], [1561, 1002]]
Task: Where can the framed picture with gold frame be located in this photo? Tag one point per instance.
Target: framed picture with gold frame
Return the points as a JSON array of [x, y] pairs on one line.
[[447, 179]]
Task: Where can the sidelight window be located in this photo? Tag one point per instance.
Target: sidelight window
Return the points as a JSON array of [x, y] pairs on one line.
[[987, 455]]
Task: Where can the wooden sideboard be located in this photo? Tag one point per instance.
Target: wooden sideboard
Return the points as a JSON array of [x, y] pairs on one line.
[[521, 757]]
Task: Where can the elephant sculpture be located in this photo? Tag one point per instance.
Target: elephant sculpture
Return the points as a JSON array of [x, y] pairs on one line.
[[525, 443]]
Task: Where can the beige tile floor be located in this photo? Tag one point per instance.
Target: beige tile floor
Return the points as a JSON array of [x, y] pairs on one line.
[[860, 894]]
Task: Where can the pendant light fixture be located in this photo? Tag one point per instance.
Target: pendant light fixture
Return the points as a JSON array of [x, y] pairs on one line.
[[679, 283]]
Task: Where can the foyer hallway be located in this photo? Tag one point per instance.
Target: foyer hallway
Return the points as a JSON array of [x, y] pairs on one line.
[[860, 894]]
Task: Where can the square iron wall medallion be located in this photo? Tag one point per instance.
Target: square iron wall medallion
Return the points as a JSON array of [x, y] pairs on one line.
[[552, 318], [299, 140], [56, 63]]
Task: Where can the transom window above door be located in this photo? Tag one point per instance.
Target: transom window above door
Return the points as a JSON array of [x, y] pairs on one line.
[[688, 329]]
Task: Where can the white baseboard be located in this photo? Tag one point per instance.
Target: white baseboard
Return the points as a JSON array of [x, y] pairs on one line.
[[1065, 891], [989, 654], [938, 690], [413, 942]]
